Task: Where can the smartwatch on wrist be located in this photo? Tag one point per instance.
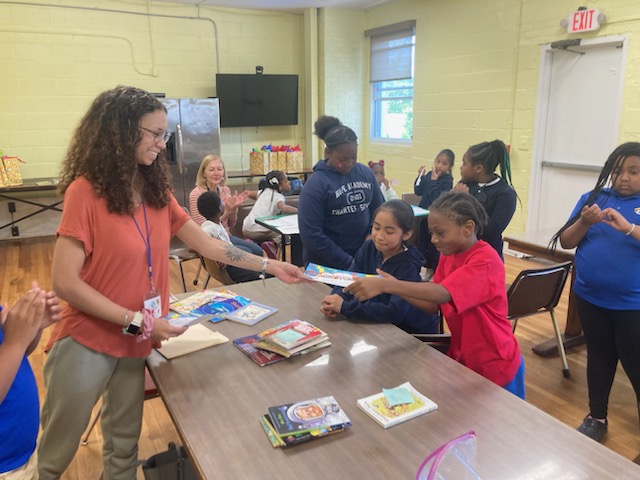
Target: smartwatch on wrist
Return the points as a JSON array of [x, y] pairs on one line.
[[134, 327]]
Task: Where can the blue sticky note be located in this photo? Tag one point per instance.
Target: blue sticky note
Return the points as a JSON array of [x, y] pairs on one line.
[[397, 396]]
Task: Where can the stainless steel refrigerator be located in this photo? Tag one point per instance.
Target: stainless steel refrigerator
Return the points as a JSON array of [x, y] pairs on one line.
[[195, 124]]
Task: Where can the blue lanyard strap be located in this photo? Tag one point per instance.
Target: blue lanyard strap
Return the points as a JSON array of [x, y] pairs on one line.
[[147, 243]]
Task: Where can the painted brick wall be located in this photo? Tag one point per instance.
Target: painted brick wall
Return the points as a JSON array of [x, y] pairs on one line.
[[54, 61], [476, 75]]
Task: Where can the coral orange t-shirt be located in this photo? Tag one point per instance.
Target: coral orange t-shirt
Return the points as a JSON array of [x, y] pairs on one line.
[[116, 265]]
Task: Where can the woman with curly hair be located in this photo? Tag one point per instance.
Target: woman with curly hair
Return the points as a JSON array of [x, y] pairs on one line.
[[111, 265]]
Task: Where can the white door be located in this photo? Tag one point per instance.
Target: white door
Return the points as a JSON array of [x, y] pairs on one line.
[[577, 122]]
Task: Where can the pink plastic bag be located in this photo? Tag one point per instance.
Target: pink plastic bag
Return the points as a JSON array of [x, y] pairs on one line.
[[455, 460]]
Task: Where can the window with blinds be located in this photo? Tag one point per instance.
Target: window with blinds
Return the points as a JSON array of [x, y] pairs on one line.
[[391, 77]]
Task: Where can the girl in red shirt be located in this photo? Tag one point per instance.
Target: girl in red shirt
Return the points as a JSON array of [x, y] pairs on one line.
[[469, 288]]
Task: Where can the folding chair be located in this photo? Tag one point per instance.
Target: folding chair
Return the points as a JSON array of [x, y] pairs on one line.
[[537, 291]]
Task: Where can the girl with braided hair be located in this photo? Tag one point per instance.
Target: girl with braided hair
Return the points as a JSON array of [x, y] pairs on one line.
[[494, 192], [607, 278], [468, 286]]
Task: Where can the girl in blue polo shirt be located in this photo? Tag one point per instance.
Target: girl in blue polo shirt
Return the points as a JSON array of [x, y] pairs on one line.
[[607, 278]]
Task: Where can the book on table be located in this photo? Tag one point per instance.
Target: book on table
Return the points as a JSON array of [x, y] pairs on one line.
[[293, 334], [252, 347], [396, 405], [292, 423]]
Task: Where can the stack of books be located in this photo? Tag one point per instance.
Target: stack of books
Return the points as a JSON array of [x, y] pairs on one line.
[[294, 423], [294, 337], [217, 305]]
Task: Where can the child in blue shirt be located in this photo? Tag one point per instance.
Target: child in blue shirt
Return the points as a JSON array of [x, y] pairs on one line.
[[20, 329], [387, 250]]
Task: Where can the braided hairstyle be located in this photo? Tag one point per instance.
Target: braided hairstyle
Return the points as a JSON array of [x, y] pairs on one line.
[[491, 155], [461, 207], [607, 177], [333, 133]]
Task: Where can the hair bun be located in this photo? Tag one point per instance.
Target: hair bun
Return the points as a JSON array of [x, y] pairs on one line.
[[381, 162], [371, 163]]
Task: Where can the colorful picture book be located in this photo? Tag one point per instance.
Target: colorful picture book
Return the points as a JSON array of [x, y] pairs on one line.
[[251, 313], [217, 305], [252, 347], [294, 423], [293, 334], [387, 412], [185, 320], [186, 305], [333, 276]]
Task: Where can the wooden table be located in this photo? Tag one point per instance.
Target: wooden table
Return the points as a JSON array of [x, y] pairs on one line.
[[216, 396], [536, 244]]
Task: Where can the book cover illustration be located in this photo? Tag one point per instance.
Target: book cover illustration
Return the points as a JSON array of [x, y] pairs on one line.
[[221, 305], [378, 407], [292, 334], [333, 276], [192, 302], [294, 438], [318, 413], [252, 313], [260, 356], [184, 320]]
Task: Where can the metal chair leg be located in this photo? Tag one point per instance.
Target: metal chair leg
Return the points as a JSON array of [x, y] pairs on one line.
[[95, 419], [197, 277], [184, 284], [563, 355]]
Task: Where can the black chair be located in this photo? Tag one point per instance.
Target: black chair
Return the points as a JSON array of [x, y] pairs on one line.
[[537, 291], [180, 252], [440, 341]]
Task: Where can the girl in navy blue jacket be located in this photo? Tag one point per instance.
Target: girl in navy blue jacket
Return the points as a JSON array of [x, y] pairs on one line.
[[337, 202], [392, 227], [494, 192]]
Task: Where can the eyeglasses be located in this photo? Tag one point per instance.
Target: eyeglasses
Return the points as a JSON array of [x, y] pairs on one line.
[[157, 136]]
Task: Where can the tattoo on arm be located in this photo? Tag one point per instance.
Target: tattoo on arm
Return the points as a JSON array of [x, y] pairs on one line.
[[234, 255]]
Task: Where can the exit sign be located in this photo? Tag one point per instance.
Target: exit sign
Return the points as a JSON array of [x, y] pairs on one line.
[[583, 21]]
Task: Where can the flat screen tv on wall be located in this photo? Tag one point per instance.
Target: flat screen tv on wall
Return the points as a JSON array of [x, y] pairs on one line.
[[252, 100]]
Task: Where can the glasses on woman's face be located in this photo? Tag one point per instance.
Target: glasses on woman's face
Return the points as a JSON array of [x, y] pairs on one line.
[[158, 136]]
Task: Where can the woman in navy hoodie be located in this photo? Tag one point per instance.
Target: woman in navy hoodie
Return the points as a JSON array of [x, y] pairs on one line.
[[388, 251], [337, 202]]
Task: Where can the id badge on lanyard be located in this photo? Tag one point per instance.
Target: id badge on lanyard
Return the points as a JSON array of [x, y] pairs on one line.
[[152, 299]]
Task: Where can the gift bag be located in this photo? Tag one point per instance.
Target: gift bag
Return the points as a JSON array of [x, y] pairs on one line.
[[294, 161], [172, 464], [10, 171], [259, 162], [273, 161], [455, 460], [281, 162]]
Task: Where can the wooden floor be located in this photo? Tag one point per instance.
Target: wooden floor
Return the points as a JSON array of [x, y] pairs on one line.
[[562, 398]]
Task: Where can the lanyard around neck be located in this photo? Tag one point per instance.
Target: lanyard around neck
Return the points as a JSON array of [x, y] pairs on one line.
[[147, 242]]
